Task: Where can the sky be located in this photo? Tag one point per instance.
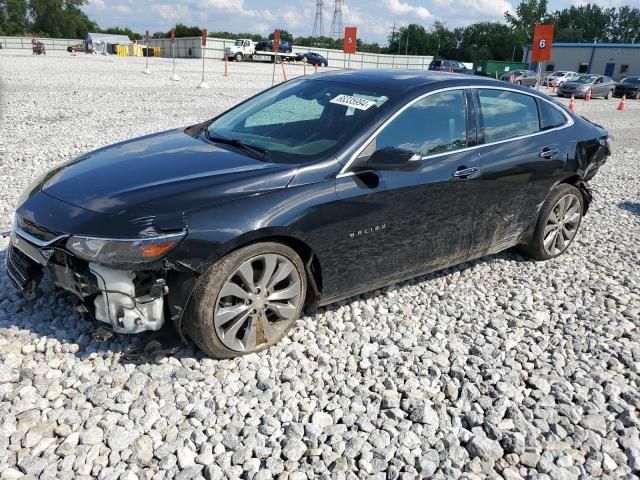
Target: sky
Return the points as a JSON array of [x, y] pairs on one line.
[[374, 18]]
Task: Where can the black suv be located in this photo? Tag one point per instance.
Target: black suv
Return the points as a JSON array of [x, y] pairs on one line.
[[449, 66]]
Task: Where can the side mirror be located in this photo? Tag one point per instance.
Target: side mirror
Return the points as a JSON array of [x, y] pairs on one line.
[[393, 158]]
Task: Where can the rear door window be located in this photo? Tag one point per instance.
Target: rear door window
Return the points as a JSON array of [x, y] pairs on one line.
[[507, 114]]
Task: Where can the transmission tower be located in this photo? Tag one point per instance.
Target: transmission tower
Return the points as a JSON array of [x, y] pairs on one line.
[[336, 23], [318, 24]]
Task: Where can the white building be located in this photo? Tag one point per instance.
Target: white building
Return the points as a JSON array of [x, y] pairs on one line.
[[104, 42], [611, 59]]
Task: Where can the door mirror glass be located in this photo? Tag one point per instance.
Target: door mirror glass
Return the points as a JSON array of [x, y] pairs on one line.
[[393, 158]]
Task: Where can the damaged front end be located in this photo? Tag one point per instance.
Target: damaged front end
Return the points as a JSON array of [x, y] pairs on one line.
[[122, 283]]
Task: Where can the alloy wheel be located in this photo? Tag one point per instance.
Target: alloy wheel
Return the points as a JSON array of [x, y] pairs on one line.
[[258, 302], [562, 224]]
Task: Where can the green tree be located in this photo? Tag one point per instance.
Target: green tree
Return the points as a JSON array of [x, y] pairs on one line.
[[124, 31], [528, 14], [582, 24], [625, 26], [60, 18], [488, 41], [13, 17]]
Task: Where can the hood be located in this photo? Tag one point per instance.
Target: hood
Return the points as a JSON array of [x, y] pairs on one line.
[[160, 173], [577, 85]]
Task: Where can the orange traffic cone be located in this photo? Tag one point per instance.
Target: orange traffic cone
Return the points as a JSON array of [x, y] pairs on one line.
[[316, 67], [513, 78], [304, 65], [587, 97], [546, 84], [621, 104], [553, 87], [284, 73], [572, 103]]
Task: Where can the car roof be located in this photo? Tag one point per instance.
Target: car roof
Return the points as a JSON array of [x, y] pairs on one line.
[[408, 80]]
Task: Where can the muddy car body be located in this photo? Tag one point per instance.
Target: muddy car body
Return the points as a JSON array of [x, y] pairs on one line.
[[225, 237]]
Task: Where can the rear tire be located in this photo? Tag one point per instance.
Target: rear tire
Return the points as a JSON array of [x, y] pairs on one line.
[[247, 301], [558, 223]]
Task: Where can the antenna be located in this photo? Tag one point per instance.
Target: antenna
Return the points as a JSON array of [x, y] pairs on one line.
[[318, 26], [336, 23]]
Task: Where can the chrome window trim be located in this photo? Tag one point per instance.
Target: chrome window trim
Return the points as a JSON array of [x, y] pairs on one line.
[[345, 173]]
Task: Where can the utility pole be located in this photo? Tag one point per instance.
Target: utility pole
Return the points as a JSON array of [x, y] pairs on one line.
[[406, 47]]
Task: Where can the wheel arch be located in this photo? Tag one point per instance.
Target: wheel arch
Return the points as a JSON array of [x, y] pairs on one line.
[[581, 185]]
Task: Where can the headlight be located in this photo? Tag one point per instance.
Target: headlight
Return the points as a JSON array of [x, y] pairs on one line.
[[123, 251]]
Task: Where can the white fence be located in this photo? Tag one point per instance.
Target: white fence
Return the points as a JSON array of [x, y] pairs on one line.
[[190, 48], [49, 43]]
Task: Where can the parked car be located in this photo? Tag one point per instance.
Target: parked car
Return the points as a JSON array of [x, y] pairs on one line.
[[630, 87], [449, 66], [558, 78], [599, 85], [313, 59], [78, 48], [521, 77], [318, 189]]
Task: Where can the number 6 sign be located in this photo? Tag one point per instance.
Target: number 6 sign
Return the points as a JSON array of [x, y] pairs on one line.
[[542, 42]]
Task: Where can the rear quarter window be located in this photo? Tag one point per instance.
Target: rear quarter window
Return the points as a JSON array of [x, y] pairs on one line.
[[550, 116], [507, 114]]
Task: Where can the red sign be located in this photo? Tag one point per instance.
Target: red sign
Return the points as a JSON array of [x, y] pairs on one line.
[[204, 37], [350, 35], [276, 40], [146, 36], [173, 36], [542, 41]]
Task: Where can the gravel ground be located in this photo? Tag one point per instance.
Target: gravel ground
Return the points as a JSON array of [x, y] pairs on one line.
[[498, 368]]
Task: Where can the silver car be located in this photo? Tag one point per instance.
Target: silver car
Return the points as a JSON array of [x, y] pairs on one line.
[[558, 78], [521, 77], [599, 85]]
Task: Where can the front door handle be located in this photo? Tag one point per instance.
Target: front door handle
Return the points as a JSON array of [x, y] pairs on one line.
[[463, 172], [548, 153]]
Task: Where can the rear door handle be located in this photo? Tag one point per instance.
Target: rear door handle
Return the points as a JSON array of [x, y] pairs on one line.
[[465, 172], [548, 153]]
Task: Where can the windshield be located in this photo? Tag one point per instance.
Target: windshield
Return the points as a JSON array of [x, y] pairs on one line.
[[634, 80], [239, 43], [585, 79], [301, 120]]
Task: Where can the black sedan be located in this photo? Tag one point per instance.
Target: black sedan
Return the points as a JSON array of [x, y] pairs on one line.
[[630, 87], [318, 189], [598, 85], [312, 58]]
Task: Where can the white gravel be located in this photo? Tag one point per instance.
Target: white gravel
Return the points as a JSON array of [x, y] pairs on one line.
[[497, 368]]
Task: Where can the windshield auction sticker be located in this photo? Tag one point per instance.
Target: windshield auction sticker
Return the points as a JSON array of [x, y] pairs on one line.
[[354, 102]]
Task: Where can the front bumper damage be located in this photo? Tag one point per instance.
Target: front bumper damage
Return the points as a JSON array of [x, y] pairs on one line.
[[124, 301]]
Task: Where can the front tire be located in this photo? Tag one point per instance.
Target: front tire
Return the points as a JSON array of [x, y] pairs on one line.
[[558, 223], [238, 57], [247, 301], [608, 95]]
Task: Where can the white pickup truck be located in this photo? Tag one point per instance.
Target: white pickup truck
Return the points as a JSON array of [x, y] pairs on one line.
[[245, 49]]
